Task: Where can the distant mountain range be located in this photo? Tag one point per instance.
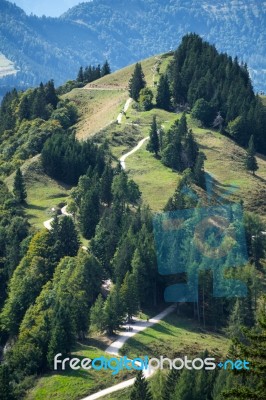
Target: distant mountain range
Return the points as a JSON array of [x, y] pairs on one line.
[[125, 31]]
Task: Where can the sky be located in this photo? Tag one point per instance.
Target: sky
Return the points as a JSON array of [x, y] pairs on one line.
[[51, 8]]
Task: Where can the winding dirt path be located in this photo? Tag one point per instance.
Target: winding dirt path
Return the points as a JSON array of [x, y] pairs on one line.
[[136, 148], [120, 115], [114, 348]]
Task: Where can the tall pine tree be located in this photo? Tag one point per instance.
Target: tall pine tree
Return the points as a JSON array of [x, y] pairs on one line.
[[19, 188], [251, 162], [137, 82], [153, 145]]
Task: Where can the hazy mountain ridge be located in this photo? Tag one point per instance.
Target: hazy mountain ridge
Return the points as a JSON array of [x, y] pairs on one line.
[[125, 31]]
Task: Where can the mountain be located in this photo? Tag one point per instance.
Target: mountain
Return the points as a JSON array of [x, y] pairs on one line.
[[126, 31]]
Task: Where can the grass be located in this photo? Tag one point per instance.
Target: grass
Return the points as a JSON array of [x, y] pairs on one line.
[[157, 183], [43, 192], [73, 385], [101, 101], [174, 337], [225, 161], [97, 108]]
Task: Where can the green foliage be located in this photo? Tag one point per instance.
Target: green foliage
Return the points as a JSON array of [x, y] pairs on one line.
[[180, 150], [253, 350], [129, 295], [19, 187], [89, 213], [203, 111], [153, 145], [163, 98], [251, 162], [137, 82], [145, 99], [65, 158], [6, 390], [140, 389], [213, 83]]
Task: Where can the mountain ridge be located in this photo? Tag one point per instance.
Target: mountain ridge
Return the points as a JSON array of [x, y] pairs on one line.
[[124, 32]]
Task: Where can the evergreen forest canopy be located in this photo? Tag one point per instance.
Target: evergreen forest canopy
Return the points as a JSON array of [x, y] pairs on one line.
[[45, 48]]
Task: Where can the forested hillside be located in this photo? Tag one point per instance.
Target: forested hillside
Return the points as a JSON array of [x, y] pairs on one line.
[[69, 288], [124, 32]]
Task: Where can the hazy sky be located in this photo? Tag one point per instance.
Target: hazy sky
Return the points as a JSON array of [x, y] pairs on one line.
[[52, 8]]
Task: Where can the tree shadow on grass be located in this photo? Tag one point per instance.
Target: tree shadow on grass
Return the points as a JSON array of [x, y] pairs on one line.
[[34, 207]]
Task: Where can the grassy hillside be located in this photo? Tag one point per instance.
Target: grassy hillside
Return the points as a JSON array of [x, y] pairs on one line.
[[73, 385], [43, 192], [173, 337], [99, 104]]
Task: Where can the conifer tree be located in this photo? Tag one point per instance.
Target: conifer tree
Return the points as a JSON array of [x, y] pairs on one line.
[[137, 82], [106, 185], [253, 349], [24, 108], [153, 144], [50, 94], [89, 213], [19, 188], [140, 389], [251, 162], [163, 98], [5, 387], [129, 294], [80, 77], [170, 384], [198, 170], [105, 70]]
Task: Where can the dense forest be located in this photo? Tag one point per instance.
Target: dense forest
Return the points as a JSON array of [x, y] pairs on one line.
[[45, 48]]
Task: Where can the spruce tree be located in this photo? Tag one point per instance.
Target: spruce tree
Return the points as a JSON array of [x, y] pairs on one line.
[[251, 162], [163, 98], [80, 77], [153, 145], [50, 94], [137, 82], [252, 349], [89, 213], [105, 70], [19, 188], [198, 170], [140, 389], [106, 185], [170, 384]]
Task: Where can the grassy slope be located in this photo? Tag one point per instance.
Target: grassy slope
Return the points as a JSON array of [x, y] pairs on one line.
[[174, 337], [99, 106], [72, 385], [43, 192]]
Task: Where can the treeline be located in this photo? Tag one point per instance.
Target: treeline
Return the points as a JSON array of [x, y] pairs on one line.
[[92, 73], [214, 84], [85, 75], [66, 159], [14, 231], [27, 120], [216, 88]]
